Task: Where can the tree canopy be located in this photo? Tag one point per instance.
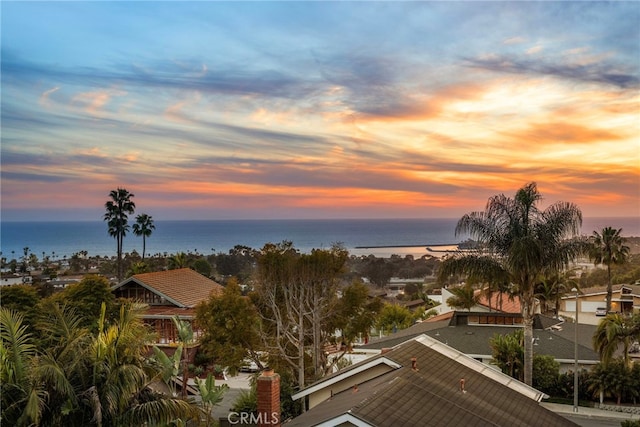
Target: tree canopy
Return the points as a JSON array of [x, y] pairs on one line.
[[230, 325]]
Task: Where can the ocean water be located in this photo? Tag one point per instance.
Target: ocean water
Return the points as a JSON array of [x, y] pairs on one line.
[[380, 237]]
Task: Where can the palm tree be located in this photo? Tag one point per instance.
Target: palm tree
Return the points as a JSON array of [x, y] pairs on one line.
[[614, 331], [507, 353], [463, 297], [116, 216], [553, 287], [178, 261], [169, 366], [143, 226], [210, 395], [519, 243], [21, 399], [185, 335], [608, 248], [77, 378], [138, 268]]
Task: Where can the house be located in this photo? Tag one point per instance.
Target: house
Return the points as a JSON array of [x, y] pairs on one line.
[[14, 279], [497, 301], [625, 299], [471, 332], [168, 293], [423, 382]]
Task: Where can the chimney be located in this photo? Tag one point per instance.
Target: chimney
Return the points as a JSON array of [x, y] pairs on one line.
[[268, 391], [414, 363], [462, 389]]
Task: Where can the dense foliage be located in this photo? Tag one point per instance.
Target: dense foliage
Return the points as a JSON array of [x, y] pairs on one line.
[[230, 326], [613, 380], [76, 377]]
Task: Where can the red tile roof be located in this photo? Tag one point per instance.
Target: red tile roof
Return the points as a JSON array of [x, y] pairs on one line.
[[508, 305], [184, 287], [444, 316]]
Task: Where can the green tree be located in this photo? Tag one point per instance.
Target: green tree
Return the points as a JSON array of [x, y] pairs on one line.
[[615, 380], [24, 265], [553, 287], [169, 366], [21, 397], [519, 242], [378, 271], [230, 328], [210, 394], [144, 227], [238, 262], [178, 261], [118, 210], [546, 371], [611, 380], [185, 335], [393, 317], [138, 268], [202, 266], [615, 331], [356, 313], [464, 297], [86, 298], [21, 298], [507, 352], [77, 378], [608, 248]]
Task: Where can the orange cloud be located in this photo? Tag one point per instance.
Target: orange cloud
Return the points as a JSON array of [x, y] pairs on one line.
[[561, 132]]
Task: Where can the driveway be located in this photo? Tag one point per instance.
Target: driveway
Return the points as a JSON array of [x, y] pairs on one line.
[[236, 385]]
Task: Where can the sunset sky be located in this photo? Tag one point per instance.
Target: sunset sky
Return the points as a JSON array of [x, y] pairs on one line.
[[213, 110]]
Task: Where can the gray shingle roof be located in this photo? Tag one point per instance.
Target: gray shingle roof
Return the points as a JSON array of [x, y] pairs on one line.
[[431, 396], [474, 339]]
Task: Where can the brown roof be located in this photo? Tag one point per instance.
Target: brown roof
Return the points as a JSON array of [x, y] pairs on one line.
[[431, 395], [184, 287]]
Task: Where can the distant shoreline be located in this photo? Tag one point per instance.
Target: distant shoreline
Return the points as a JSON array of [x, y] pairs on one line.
[[405, 246]]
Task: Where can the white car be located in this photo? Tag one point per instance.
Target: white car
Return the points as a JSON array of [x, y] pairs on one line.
[[601, 311]]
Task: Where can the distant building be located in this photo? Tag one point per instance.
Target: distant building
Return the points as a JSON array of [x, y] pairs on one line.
[[625, 300], [14, 279]]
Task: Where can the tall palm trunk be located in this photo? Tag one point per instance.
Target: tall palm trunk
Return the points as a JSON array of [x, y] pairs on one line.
[[609, 288], [527, 321], [120, 243]]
